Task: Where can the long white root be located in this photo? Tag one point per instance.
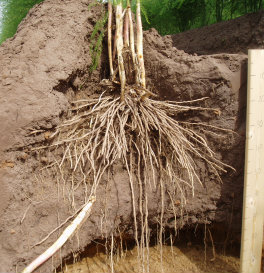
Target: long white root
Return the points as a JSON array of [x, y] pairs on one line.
[[67, 233]]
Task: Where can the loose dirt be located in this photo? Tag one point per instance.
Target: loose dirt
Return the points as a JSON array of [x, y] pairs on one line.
[[43, 68]]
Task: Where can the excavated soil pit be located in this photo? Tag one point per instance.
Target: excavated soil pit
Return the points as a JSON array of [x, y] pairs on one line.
[[46, 66]]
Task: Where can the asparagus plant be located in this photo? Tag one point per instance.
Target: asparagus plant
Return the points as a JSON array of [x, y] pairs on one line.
[[124, 42]]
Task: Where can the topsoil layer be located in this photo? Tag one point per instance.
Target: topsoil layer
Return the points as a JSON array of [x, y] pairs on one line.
[[46, 65]]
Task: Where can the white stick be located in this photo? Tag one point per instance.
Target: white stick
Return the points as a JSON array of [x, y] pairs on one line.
[[67, 233]]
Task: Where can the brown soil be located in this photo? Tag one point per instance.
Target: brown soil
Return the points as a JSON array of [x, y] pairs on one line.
[[234, 36], [43, 67]]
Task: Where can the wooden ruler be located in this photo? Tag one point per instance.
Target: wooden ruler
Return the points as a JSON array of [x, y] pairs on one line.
[[253, 205]]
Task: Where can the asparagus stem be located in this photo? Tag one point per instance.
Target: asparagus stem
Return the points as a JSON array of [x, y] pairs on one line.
[[140, 47], [114, 49], [110, 14], [132, 37], [126, 30], [119, 47]]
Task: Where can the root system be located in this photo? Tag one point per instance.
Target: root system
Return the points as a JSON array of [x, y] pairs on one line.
[[147, 136]]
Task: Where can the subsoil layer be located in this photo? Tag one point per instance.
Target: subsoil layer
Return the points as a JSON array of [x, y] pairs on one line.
[[192, 259]]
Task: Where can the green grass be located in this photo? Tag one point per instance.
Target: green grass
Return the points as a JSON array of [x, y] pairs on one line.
[[12, 13]]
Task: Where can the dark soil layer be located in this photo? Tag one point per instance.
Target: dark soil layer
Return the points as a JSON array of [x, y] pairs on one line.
[[234, 36], [41, 69]]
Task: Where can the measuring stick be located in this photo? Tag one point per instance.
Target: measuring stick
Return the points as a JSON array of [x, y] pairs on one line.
[[253, 204]]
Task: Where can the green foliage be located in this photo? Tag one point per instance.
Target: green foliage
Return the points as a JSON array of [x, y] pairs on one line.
[[145, 14], [11, 14], [96, 41], [167, 16], [172, 16]]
